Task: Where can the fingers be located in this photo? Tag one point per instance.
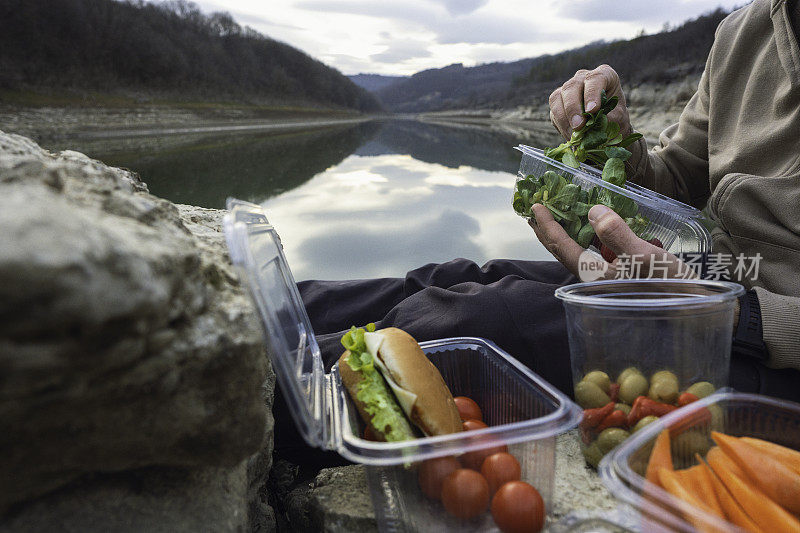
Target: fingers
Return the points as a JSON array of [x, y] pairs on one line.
[[558, 116], [596, 81], [554, 238], [612, 231], [565, 105], [572, 96]]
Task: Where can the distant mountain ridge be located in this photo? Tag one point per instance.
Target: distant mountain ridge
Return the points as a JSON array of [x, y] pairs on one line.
[[663, 57], [168, 49], [375, 82]]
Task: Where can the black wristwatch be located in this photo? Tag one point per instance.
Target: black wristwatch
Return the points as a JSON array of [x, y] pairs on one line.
[[749, 337]]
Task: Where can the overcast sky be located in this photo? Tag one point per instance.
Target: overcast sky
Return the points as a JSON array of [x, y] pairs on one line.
[[405, 36]]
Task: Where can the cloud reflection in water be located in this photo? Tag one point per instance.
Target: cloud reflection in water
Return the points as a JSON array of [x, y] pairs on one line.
[[377, 216]]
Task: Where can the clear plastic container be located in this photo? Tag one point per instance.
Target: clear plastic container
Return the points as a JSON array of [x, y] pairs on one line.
[[587, 523], [737, 414], [523, 411], [678, 226], [683, 327]]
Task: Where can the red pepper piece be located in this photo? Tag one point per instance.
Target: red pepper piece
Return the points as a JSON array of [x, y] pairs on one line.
[[644, 406], [686, 398], [617, 419], [593, 417], [613, 392]]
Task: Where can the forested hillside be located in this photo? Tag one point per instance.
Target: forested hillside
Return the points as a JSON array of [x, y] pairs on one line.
[[660, 57], [170, 49]]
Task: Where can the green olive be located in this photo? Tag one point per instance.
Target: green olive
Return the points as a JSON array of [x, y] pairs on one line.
[[701, 389], [632, 387], [627, 372], [624, 407], [643, 422], [600, 379], [610, 438], [663, 374], [664, 390], [717, 417], [689, 443], [593, 454], [589, 395]]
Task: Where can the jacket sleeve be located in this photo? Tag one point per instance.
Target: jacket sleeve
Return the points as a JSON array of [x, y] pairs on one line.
[[781, 328], [678, 167]]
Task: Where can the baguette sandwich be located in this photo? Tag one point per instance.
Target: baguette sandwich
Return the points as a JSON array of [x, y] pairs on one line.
[[394, 385]]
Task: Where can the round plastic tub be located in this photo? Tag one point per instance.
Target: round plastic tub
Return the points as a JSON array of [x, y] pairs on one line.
[[736, 414], [678, 226], [672, 336]]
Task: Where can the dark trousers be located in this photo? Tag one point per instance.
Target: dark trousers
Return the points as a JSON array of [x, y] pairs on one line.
[[508, 302]]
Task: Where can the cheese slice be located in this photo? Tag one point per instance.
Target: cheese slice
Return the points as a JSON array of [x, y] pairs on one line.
[[405, 398]]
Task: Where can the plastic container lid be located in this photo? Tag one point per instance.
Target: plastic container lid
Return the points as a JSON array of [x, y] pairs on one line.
[[315, 398]]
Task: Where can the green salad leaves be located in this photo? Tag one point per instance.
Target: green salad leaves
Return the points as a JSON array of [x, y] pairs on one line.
[[600, 144]]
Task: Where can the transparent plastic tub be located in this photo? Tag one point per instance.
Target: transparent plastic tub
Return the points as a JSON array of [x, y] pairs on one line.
[[524, 412], [683, 327], [737, 414], [678, 226]]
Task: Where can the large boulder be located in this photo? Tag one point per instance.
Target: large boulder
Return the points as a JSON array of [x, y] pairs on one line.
[[134, 383]]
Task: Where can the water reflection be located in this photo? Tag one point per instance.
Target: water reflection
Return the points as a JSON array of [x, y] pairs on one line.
[[369, 200]]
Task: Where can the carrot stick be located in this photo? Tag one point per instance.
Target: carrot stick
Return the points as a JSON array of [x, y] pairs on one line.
[[772, 477], [672, 483], [787, 456], [660, 457], [733, 511], [767, 514], [704, 487], [716, 454]]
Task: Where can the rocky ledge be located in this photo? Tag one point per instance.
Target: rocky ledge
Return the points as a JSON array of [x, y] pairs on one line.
[[135, 391]]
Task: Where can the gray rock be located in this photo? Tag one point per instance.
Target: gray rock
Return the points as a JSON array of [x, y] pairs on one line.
[[126, 343]]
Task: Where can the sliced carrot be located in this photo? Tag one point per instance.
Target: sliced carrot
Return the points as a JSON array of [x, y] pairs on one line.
[[672, 483], [787, 456], [705, 489], [716, 454], [660, 457], [772, 477], [733, 511], [767, 514]]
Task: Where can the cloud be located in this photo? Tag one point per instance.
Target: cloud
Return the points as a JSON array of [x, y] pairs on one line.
[[399, 51], [654, 13], [441, 239], [461, 7]]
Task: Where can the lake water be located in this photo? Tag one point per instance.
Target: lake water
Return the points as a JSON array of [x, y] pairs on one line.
[[373, 199]]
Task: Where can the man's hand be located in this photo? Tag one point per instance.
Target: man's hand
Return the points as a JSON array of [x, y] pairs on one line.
[[586, 86], [613, 232]]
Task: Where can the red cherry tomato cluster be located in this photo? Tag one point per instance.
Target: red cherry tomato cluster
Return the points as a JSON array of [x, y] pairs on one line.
[[481, 480]]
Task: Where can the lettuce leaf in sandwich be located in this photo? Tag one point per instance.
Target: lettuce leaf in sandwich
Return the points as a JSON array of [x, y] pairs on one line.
[[387, 417]]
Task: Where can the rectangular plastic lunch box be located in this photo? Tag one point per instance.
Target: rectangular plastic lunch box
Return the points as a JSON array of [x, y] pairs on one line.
[[523, 411], [678, 226], [737, 414], [627, 334]]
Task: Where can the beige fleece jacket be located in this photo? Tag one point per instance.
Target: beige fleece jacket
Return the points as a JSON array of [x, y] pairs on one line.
[[737, 147]]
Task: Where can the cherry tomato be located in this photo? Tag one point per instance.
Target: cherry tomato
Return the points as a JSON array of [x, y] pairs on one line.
[[467, 408], [465, 493], [474, 460], [432, 473], [499, 468], [471, 424], [518, 507]]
